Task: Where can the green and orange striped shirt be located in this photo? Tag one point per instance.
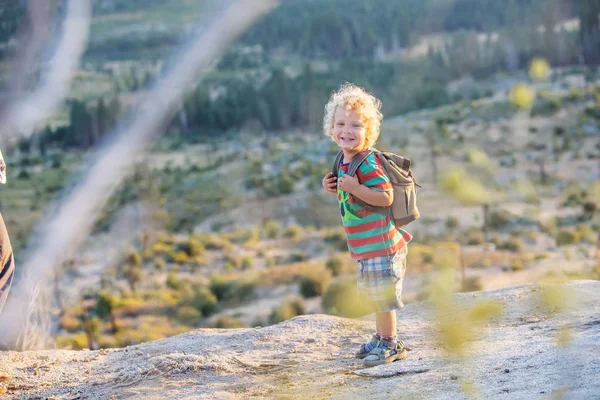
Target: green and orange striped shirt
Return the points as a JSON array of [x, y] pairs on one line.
[[369, 234]]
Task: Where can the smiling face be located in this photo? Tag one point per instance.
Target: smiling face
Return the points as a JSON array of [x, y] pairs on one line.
[[349, 130]]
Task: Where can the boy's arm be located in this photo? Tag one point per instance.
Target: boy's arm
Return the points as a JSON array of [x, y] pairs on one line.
[[370, 196], [373, 197]]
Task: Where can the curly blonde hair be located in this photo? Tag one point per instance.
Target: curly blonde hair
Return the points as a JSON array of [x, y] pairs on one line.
[[357, 99]]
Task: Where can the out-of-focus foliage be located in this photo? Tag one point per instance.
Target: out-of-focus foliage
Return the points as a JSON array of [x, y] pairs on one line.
[[478, 157], [522, 96], [539, 69], [457, 323], [11, 15], [343, 299], [467, 189]]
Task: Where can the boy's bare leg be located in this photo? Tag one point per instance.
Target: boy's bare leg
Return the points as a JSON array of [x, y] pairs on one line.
[[386, 323]]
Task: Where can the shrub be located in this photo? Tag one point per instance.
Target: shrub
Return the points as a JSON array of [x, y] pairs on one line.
[[201, 298], [293, 231], [105, 304], [475, 237], [173, 281], [315, 283], [134, 258], [472, 284], [272, 229], [178, 257], [159, 264], [566, 237], [225, 322], [596, 272], [77, 342], [335, 264], [239, 235], [342, 246], [343, 299], [298, 257], [232, 261], [589, 208], [285, 185], [161, 249], [107, 342], [586, 233], [427, 256], [546, 107], [231, 290], [252, 236], [247, 262], [70, 323], [188, 315], [23, 175], [131, 306], [498, 220], [337, 239], [192, 247], [513, 244], [517, 265], [575, 94], [214, 242], [451, 223], [134, 275], [286, 311]]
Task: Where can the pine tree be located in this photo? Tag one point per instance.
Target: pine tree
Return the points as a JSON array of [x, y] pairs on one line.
[[590, 30], [79, 132], [102, 118]]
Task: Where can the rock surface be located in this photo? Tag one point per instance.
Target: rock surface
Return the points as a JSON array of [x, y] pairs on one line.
[[515, 356]]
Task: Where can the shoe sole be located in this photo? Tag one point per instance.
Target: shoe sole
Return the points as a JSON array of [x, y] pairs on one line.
[[396, 357]]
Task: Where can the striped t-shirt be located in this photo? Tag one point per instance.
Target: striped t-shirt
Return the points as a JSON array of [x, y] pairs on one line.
[[369, 234]]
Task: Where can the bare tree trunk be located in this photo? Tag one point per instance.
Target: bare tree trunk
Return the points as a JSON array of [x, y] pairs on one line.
[[57, 297], [486, 216], [313, 210], [434, 154], [113, 322], [87, 326], [543, 174], [462, 266]]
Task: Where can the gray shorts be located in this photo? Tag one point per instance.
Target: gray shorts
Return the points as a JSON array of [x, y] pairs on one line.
[[380, 279]]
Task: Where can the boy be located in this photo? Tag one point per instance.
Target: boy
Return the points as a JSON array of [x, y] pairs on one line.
[[352, 119]]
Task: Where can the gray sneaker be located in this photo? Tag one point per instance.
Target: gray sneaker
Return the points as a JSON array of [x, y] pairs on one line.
[[385, 352], [361, 352]]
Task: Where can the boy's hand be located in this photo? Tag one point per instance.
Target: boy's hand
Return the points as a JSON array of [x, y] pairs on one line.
[[330, 183], [348, 183]]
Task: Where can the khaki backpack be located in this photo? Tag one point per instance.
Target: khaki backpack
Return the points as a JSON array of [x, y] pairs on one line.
[[404, 208]]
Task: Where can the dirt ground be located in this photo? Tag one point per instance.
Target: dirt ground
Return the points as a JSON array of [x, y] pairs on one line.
[[517, 355]]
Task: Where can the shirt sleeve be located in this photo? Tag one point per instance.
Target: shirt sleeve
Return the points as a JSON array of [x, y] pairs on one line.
[[372, 175]]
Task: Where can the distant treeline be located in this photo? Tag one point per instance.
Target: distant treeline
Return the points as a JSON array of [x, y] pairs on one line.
[[340, 29], [88, 125], [281, 72], [354, 28]]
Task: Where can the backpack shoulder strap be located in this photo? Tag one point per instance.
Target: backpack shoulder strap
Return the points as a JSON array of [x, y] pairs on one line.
[[357, 160], [337, 162]]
